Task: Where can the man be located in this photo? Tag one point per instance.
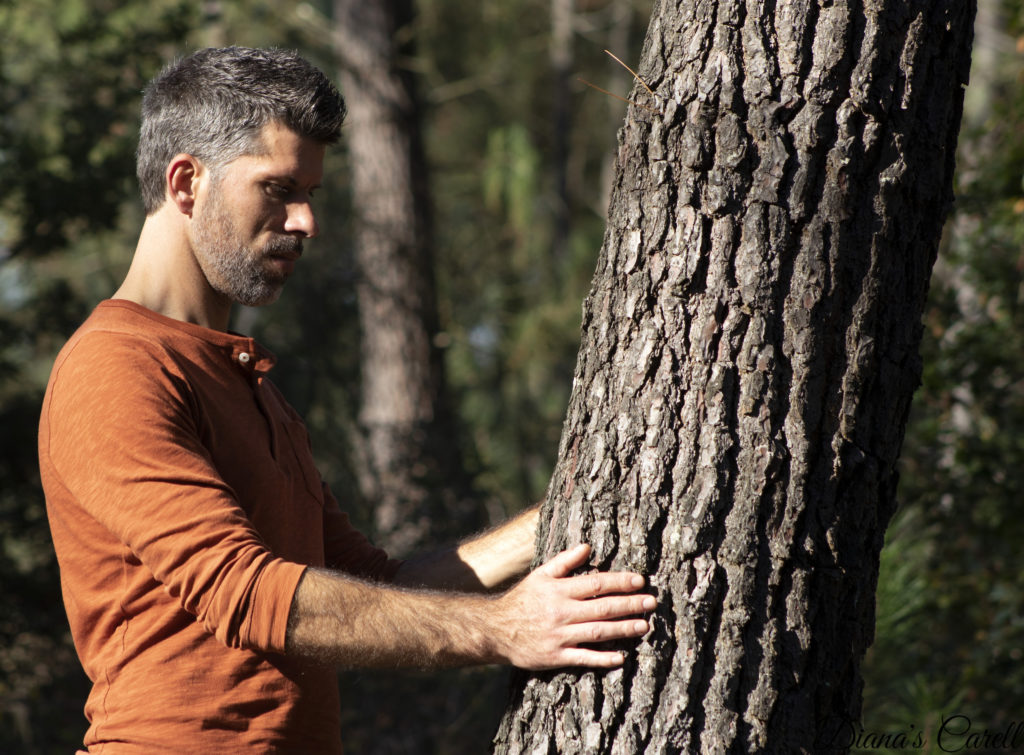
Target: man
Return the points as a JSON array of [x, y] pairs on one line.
[[211, 581]]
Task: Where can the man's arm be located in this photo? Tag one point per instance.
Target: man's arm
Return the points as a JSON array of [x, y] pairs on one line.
[[540, 623], [484, 562]]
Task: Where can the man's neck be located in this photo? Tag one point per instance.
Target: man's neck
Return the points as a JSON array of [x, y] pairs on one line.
[[164, 276]]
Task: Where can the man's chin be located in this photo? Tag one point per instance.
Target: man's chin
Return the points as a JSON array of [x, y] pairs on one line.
[[261, 298]]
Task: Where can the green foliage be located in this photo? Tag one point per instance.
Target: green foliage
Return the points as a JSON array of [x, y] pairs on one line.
[[71, 74], [41, 686], [511, 176], [510, 296]]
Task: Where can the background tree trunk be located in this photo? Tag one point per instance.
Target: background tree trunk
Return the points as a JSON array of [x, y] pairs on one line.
[[750, 348], [409, 462], [410, 468], [561, 54]]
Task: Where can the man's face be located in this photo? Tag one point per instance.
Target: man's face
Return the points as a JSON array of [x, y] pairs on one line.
[[249, 224]]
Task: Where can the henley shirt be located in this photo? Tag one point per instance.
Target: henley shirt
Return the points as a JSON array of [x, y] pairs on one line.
[[184, 506]]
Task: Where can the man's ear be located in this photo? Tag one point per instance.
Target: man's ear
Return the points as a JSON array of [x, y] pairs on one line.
[[182, 181]]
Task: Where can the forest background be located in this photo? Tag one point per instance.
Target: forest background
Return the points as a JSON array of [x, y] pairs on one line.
[[520, 155]]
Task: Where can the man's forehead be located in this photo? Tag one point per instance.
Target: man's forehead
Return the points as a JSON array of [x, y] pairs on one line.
[[279, 149]]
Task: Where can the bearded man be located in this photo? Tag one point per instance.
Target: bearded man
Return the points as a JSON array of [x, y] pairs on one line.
[[212, 581]]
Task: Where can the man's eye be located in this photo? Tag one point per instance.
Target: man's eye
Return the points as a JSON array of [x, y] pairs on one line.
[[277, 190]]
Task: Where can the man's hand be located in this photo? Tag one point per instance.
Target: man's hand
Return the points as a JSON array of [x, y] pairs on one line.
[[546, 618]]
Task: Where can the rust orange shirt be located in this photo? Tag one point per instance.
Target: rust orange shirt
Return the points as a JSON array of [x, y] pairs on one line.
[[184, 506]]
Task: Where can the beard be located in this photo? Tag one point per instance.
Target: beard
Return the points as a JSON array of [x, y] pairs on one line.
[[233, 268]]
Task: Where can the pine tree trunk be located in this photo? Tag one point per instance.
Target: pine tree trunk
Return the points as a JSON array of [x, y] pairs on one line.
[[410, 468], [750, 348]]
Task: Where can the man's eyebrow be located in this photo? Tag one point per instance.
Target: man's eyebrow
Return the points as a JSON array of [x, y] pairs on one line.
[[284, 178], [281, 178]]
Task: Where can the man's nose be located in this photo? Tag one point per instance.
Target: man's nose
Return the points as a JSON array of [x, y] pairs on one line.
[[301, 219]]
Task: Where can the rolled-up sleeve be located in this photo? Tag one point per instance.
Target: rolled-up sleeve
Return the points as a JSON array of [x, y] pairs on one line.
[[119, 437]]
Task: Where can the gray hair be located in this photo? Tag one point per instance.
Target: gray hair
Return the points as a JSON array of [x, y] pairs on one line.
[[214, 104]]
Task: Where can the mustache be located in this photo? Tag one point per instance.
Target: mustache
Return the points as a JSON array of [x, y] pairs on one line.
[[285, 245]]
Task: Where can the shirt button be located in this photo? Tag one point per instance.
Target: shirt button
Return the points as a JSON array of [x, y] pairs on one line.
[[244, 357]]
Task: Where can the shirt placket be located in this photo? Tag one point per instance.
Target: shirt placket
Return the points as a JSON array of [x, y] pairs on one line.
[[255, 364]]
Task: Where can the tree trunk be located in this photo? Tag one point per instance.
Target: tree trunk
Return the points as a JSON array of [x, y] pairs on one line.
[[410, 468], [561, 56], [409, 461], [750, 348]]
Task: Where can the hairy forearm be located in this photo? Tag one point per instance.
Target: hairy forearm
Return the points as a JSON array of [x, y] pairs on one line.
[[484, 562], [547, 620], [345, 622]]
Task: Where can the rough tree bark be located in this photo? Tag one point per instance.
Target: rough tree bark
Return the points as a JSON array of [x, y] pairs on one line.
[[410, 468], [750, 348]]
